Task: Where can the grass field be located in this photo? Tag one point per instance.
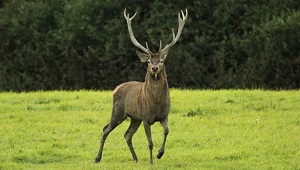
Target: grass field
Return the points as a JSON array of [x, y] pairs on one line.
[[225, 129]]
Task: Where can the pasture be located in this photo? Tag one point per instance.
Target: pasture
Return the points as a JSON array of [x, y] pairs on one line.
[[209, 129]]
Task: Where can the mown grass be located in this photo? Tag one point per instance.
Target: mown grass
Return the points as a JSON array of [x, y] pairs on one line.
[[225, 129]]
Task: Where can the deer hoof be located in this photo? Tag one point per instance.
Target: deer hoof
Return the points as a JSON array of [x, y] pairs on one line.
[[97, 160], [160, 154]]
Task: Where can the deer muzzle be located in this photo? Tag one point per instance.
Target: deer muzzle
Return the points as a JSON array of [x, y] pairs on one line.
[[154, 69]]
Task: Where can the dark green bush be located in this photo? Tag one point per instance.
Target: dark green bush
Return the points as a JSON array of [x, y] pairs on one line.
[[84, 44], [277, 62]]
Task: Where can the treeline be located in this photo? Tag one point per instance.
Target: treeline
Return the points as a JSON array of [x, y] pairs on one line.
[[84, 44]]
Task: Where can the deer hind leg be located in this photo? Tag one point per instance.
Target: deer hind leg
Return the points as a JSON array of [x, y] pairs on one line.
[[133, 127], [164, 124], [148, 134], [106, 130], [116, 119]]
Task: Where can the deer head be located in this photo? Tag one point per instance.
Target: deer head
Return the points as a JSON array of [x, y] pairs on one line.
[[155, 60]]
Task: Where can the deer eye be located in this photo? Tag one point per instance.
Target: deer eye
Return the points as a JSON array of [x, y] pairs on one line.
[[161, 61]]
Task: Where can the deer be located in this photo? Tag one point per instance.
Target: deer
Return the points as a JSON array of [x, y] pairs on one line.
[[147, 101]]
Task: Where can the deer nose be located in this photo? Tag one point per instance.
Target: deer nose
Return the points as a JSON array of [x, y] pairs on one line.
[[154, 68]]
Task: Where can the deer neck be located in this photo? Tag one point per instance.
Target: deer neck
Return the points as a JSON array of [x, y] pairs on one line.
[[156, 86]]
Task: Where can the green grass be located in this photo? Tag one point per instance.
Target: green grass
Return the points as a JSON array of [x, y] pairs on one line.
[[226, 129]]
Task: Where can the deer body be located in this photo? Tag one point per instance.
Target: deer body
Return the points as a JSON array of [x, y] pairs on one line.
[[146, 102], [142, 102]]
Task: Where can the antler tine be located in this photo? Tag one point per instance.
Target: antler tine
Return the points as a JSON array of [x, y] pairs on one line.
[[181, 23], [159, 45], [148, 51], [133, 39]]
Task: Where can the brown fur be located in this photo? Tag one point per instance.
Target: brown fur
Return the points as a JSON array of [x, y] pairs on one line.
[[146, 102]]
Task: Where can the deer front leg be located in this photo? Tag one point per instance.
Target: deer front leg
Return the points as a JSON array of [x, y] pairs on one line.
[[134, 125], [148, 134], [164, 124]]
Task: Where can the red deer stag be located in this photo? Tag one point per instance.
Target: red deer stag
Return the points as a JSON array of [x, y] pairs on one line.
[[146, 102]]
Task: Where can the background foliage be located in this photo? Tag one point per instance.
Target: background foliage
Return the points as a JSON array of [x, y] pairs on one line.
[[84, 44]]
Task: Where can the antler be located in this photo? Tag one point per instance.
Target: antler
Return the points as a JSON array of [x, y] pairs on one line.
[[134, 41], [181, 23]]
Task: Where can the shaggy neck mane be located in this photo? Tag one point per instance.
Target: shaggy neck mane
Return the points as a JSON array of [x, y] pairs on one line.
[[156, 87]]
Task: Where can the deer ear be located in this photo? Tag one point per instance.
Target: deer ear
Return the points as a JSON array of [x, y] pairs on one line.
[[144, 57]]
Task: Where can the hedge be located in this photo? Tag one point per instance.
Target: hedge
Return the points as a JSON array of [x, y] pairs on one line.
[[84, 44]]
